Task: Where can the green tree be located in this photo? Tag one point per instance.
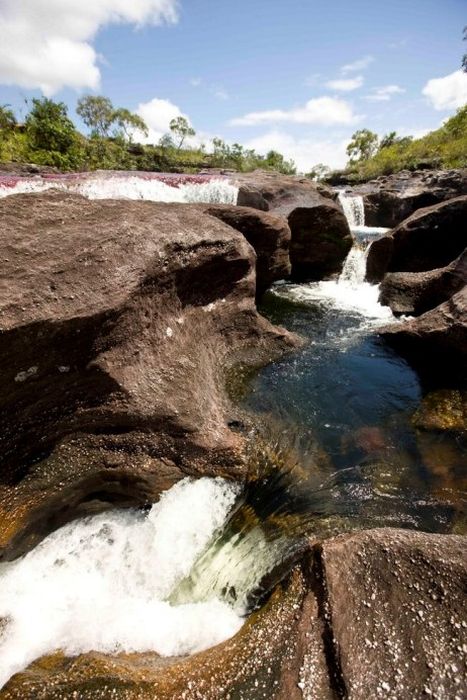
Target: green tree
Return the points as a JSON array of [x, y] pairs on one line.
[[98, 113], [7, 119], [319, 172], [181, 129], [48, 126], [166, 142], [128, 123], [276, 161], [363, 145], [464, 57]]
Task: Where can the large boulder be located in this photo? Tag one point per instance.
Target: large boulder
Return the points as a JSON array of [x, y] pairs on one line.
[[118, 322], [435, 343], [269, 234], [414, 293], [398, 613], [320, 234], [390, 199], [431, 238]]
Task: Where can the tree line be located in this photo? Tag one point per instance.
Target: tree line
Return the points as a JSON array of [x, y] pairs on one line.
[[48, 136]]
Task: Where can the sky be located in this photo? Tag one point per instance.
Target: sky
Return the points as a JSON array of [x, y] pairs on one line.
[[298, 76]]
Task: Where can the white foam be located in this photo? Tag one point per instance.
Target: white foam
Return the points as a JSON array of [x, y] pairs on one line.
[[354, 209], [219, 191], [102, 583]]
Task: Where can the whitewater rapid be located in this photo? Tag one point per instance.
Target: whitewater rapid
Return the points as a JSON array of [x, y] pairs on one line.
[[103, 583], [156, 188]]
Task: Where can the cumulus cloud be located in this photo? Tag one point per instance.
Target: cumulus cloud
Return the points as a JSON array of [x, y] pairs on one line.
[[345, 84], [358, 65], [384, 94], [158, 113], [47, 44], [320, 110], [449, 92], [306, 152]]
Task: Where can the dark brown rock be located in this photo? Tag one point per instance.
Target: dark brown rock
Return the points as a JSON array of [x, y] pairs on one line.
[[118, 320], [414, 293], [320, 234], [269, 235], [398, 612], [392, 198], [431, 238], [436, 342]]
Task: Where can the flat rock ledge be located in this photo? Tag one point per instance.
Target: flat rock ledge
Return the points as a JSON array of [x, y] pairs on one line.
[[372, 614]]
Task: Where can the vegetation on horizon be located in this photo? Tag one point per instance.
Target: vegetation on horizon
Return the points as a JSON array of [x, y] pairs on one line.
[[49, 137]]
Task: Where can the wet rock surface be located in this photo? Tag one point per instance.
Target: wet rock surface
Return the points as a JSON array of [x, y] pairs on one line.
[[377, 613], [320, 234], [390, 199], [118, 320]]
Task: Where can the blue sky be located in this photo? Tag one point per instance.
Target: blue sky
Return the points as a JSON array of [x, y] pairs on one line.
[[299, 76]]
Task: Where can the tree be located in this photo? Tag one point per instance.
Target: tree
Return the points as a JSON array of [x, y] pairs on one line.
[[363, 145], [166, 142], [7, 119], [276, 161], [181, 129], [48, 126], [128, 122], [393, 139], [319, 172], [98, 113]]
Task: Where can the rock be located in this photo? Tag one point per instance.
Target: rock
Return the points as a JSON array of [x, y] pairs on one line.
[[414, 293], [269, 235], [445, 409], [262, 662], [118, 320], [435, 343], [391, 199], [431, 238], [396, 601], [320, 234], [321, 241]]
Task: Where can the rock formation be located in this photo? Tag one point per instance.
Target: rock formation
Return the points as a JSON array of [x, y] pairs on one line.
[[118, 321]]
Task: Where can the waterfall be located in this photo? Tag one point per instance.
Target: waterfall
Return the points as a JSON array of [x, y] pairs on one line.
[[156, 187], [354, 209], [353, 272]]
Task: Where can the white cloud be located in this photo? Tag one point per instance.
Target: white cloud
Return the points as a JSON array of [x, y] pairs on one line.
[[306, 152], [222, 94], [449, 92], [358, 65], [384, 94], [345, 84], [157, 114], [320, 110], [47, 44]]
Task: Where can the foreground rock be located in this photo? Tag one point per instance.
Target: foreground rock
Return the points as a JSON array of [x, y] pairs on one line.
[[390, 199], [431, 238], [321, 237], [269, 235], [413, 293], [374, 614], [436, 342], [118, 321], [398, 613]]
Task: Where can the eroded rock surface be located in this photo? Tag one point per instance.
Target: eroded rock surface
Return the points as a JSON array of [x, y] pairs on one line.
[[321, 236], [431, 238], [118, 320]]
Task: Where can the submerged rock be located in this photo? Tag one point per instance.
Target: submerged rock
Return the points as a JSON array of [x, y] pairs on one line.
[[118, 320], [445, 409], [429, 239]]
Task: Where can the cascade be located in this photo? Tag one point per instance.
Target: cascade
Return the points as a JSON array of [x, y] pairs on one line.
[[354, 209]]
